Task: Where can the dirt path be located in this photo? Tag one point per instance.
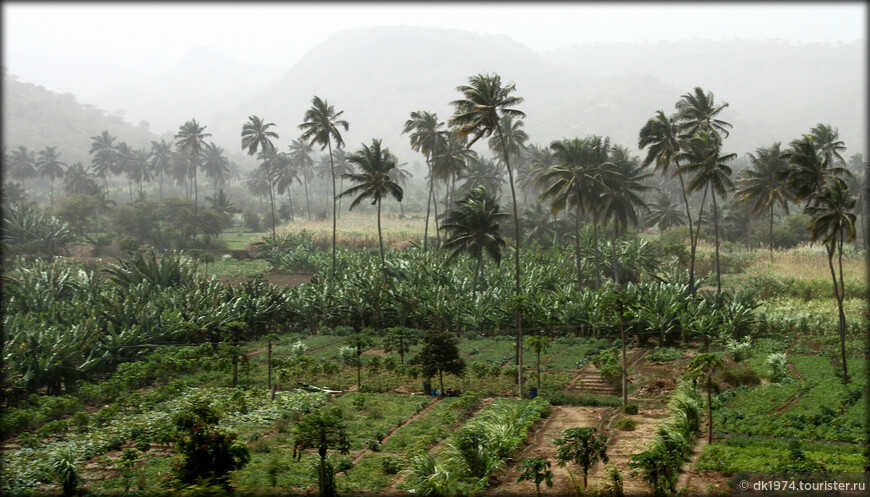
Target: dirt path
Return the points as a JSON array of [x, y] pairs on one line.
[[699, 481], [561, 418]]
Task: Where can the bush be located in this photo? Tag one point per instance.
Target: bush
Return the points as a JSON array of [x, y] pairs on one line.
[[630, 409], [626, 424], [391, 465], [741, 376], [777, 364], [567, 398]]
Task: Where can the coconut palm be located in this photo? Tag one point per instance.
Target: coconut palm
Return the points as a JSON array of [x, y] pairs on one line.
[[103, 162], [810, 170], [482, 171], [473, 228], [664, 211], [342, 167], [256, 135], [764, 183], [161, 156], [285, 175], [827, 140], [78, 181], [662, 135], [485, 100], [402, 176], [138, 168], [449, 162], [697, 111], [833, 223], [708, 169], [222, 204], [258, 183], [48, 165], [22, 164], [538, 160], [123, 160], [301, 161], [320, 125], [426, 137], [624, 180], [216, 166], [273, 161], [514, 137], [374, 181], [180, 165], [191, 139]]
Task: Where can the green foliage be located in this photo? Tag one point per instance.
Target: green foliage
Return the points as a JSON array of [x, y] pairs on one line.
[[626, 424], [762, 454], [581, 446], [664, 354], [63, 467], [537, 471], [630, 409]]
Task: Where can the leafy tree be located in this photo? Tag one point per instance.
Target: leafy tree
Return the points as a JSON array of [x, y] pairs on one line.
[[322, 432], [473, 228], [138, 220], [833, 223], [400, 340], [48, 164], [537, 470], [78, 181], [440, 355], [485, 100], [207, 453], [581, 446], [764, 184], [539, 343], [703, 366], [359, 343], [320, 125], [223, 205], [709, 171], [80, 212], [664, 212], [426, 137], [374, 182]]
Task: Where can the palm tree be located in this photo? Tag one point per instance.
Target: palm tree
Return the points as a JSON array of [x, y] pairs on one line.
[[273, 161], [833, 222], [402, 176], [49, 165], [664, 212], [374, 181], [216, 166], [222, 204], [485, 100], [697, 111], [23, 165], [811, 170], [484, 172], [708, 170], [342, 167], [138, 168], [190, 139], [180, 165], [661, 135], [764, 184], [302, 162], [321, 125], [78, 181], [473, 227], [827, 139], [426, 138], [256, 135], [123, 161], [161, 156], [285, 175], [103, 150], [449, 162], [258, 183], [538, 160], [622, 199], [515, 139]]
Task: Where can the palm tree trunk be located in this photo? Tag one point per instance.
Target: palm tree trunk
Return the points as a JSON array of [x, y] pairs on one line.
[[428, 205], [332, 167], [517, 265], [476, 273], [595, 245], [272, 202], [307, 203], [577, 247], [716, 229], [340, 187], [710, 408], [691, 235], [771, 232], [694, 244], [161, 184], [435, 218], [290, 201], [838, 294], [51, 193], [381, 238], [130, 186]]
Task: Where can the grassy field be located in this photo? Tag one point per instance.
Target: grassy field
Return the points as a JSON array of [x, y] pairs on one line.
[[361, 231]]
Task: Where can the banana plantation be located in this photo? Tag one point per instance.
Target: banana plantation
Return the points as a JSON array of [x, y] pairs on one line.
[[575, 320]]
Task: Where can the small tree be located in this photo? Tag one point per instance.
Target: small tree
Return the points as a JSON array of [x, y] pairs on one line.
[[581, 446], [539, 343], [400, 340], [440, 355], [63, 466], [322, 432], [703, 365], [359, 343], [537, 470]]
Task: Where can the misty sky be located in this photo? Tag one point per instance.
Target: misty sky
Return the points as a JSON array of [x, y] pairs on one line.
[[83, 48]]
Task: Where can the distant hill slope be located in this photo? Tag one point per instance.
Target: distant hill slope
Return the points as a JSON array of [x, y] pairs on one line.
[[35, 117], [377, 76]]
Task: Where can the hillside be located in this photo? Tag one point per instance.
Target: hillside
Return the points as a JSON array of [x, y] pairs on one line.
[[35, 117]]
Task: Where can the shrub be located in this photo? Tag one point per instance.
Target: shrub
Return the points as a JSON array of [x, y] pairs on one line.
[[630, 409], [739, 350], [777, 364], [63, 466], [626, 424], [741, 376], [391, 465]]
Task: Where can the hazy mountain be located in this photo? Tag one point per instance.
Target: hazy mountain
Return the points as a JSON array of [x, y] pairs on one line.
[[202, 83], [378, 76], [35, 117]]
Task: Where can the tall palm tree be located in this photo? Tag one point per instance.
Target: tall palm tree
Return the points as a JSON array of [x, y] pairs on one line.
[[473, 227], [833, 223], [256, 135], [191, 139], [320, 125], [161, 156], [709, 171], [342, 167], [664, 211], [624, 182], [123, 160], [180, 170], [449, 162], [216, 166], [764, 183], [374, 181], [222, 204], [104, 160], [697, 111], [258, 183], [78, 181], [485, 100], [285, 175], [402, 176], [485, 172], [23, 164], [662, 135], [426, 137], [538, 160], [138, 168], [810, 170], [48, 164], [301, 161], [827, 139], [273, 161]]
